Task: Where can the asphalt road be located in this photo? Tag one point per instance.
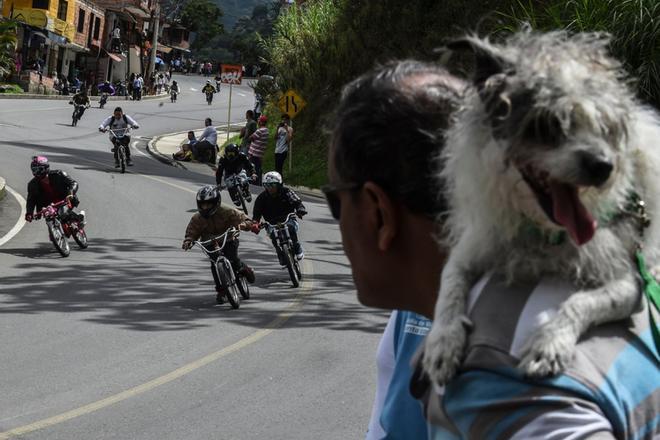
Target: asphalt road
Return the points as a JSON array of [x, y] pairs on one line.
[[124, 340]]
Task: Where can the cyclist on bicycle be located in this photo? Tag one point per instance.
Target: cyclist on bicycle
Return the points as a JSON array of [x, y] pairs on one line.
[[208, 88], [120, 123], [50, 187], [81, 102], [231, 163], [275, 204], [212, 220]]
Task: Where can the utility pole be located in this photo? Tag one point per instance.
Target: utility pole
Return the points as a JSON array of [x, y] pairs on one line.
[[155, 22]]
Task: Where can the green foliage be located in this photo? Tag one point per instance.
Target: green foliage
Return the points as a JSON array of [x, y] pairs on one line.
[[202, 17], [11, 88], [634, 25], [7, 46]]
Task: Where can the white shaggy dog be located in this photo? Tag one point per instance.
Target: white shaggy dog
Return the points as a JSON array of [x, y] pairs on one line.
[[552, 167]]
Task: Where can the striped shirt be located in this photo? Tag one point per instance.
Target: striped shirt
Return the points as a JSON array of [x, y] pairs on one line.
[[259, 142], [612, 385]]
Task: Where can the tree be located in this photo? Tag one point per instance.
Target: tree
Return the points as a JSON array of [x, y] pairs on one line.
[[202, 17], [7, 46]]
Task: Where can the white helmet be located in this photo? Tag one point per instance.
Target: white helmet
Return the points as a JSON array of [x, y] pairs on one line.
[[272, 178]]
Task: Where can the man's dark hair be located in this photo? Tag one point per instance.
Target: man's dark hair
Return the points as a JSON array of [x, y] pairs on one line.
[[250, 114], [389, 128], [118, 109], [208, 121]]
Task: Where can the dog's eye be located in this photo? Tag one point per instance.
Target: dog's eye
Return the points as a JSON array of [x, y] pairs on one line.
[[544, 130]]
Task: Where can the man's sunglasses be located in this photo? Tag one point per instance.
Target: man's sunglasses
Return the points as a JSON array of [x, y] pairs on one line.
[[332, 198]]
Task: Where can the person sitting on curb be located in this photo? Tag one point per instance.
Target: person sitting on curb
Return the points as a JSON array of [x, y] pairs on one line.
[[185, 150], [206, 148]]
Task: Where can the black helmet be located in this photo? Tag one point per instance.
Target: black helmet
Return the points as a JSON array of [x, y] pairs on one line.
[[231, 151], [210, 197]]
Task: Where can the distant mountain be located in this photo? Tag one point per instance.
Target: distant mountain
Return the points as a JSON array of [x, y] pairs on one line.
[[235, 9]]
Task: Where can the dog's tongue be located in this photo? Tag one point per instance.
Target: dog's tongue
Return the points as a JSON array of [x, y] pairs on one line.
[[571, 213]]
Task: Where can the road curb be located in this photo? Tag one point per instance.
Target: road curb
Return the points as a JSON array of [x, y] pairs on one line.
[[3, 191], [153, 150]]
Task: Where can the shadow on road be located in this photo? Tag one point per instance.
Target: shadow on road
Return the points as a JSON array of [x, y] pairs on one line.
[[140, 285]]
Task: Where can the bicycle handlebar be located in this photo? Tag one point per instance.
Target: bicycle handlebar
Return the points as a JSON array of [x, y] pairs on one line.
[[278, 225], [224, 237], [43, 211]]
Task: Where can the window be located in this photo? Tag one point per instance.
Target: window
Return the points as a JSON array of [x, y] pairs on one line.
[[40, 4], [62, 9], [81, 20], [97, 27]]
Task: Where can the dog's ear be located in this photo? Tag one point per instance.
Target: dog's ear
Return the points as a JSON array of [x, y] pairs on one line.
[[488, 61]]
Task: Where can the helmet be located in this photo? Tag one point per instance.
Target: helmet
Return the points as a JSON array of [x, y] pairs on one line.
[[231, 151], [208, 195], [272, 178], [208, 81], [39, 166]]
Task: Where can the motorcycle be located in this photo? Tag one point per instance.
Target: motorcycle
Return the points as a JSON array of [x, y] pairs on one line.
[[236, 184], [284, 248], [60, 228], [231, 280], [209, 97]]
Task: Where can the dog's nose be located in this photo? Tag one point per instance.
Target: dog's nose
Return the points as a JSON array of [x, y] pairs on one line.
[[596, 169]]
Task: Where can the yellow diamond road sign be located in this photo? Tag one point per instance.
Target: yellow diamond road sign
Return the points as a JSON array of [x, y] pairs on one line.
[[291, 103]]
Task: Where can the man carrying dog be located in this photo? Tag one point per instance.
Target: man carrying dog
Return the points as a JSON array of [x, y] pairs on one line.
[[611, 390], [385, 198]]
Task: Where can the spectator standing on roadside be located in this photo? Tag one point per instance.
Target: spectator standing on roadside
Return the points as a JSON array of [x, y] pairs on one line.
[[247, 131], [258, 144], [282, 142], [205, 149]]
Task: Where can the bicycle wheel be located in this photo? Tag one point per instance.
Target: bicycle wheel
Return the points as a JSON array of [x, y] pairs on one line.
[[243, 287], [122, 158], [56, 235], [296, 267], [228, 281], [80, 236], [288, 255]]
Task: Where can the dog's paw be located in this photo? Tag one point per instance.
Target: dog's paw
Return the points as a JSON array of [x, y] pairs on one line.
[[443, 351], [548, 352]]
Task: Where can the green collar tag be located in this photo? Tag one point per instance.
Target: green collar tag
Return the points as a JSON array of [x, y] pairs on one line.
[[652, 292]]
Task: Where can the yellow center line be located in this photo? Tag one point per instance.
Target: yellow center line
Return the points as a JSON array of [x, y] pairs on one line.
[[282, 317]]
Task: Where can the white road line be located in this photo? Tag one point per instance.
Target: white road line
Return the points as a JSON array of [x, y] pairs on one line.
[[140, 152], [21, 221], [241, 94]]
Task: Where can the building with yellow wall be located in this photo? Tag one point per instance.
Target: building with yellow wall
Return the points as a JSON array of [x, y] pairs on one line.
[[56, 16]]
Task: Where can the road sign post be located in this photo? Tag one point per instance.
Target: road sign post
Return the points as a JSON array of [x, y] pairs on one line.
[[230, 74], [291, 103]]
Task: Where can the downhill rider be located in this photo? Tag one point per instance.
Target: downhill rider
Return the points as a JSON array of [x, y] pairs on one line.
[[233, 162], [211, 220], [275, 204], [48, 187], [121, 123]]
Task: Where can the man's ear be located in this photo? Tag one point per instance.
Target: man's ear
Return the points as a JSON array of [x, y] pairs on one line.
[[385, 214]]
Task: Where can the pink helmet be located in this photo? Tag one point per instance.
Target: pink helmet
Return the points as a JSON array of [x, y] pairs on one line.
[[39, 165]]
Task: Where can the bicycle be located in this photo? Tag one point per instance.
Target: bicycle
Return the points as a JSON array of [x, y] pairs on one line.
[[284, 248], [118, 140], [59, 230], [231, 280], [77, 113], [236, 182]]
